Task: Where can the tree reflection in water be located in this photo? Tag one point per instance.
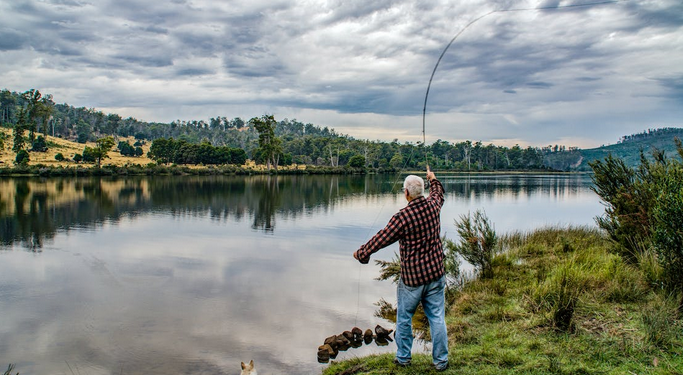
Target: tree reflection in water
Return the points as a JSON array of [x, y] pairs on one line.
[[32, 210]]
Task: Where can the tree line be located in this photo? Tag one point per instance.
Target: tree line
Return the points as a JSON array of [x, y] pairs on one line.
[[262, 139]]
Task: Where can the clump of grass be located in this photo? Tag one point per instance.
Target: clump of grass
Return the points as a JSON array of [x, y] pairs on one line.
[[659, 320]]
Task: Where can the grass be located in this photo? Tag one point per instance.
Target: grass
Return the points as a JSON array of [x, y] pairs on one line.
[[560, 302], [68, 149]]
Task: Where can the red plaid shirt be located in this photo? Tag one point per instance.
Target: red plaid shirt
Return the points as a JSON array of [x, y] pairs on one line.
[[417, 228]]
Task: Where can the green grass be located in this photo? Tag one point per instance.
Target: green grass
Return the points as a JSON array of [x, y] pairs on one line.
[[620, 323]]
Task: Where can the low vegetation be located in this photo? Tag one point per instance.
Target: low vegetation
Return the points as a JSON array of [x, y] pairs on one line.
[[560, 302]]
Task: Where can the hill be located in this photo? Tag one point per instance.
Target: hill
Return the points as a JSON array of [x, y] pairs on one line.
[[627, 149], [68, 149]]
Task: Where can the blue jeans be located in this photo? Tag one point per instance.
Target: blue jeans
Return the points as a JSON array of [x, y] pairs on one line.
[[433, 302]]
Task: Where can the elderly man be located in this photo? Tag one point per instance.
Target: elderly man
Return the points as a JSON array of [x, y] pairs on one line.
[[417, 228]]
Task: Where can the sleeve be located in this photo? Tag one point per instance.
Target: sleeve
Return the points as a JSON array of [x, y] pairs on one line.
[[385, 237], [436, 192]]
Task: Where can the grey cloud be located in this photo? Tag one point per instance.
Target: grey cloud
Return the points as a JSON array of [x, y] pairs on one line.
[[194, 72], [11, 39], [539, 85]]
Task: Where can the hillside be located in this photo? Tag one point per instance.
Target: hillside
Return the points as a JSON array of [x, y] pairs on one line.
[[628, 149], [68, 149]]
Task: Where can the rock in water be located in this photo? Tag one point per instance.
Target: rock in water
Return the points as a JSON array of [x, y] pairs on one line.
[[331, 341], [382, 332], [348, 335]]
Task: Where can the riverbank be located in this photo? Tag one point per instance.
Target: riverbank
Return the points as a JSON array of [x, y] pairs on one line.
[[517, 321]]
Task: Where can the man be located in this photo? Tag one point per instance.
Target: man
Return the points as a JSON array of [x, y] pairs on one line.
[[417, 228]]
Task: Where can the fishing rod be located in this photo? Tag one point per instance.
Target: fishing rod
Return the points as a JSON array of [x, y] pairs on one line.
[[424, 108]]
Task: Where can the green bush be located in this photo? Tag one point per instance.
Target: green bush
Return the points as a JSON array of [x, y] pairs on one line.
[[478, 242], [644, 211], [668, 229], [59, 157], [22, 158]]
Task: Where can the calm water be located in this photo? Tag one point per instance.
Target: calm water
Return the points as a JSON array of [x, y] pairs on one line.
[[191, 275]]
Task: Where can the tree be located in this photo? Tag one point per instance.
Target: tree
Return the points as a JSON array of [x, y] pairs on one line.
[[59, 157], [39, 145], [270, 146], [7, 106], [38, 111], [83, 129], [357, 161], [19, 127], [162, 150], [396, 161], [101, 150]]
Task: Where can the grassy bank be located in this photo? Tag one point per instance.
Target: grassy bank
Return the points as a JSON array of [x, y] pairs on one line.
[[559, 302]]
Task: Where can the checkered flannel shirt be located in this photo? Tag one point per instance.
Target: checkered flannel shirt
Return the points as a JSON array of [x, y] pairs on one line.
[[417, 228]]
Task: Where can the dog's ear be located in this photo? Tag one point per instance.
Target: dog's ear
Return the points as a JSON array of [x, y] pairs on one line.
[[243, 365], [251, 363]]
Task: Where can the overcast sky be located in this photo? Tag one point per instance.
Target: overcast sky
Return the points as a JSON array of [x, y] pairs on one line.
[[579, 76]]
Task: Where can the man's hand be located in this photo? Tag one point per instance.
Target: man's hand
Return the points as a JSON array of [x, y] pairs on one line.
[[430, 174], [355, 255]]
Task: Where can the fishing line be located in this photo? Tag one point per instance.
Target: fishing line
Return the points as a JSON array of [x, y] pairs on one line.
[[424, 108]]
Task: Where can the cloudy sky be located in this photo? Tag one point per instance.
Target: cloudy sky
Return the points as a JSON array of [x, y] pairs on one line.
[[578, 75]]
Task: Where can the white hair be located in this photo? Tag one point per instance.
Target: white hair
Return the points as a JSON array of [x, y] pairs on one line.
[[414, 185]]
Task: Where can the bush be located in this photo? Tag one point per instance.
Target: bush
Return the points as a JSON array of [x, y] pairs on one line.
[[39, 145], [59, 157], [357, 161], [667, 234], [644, 210], [22, 158], [478, 242], [78, 158]]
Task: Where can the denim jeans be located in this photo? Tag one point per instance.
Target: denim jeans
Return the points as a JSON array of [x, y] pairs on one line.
[[433, 302]]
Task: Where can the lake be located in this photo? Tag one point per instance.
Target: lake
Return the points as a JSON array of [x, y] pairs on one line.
[[192, 275]]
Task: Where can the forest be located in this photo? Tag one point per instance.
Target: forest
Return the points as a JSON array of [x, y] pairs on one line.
[[262, 139]]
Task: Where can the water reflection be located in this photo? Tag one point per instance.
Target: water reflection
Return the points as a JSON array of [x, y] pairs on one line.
[[195, 274], [32, 210]]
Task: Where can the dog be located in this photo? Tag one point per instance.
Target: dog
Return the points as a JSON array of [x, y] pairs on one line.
[[248, 369]]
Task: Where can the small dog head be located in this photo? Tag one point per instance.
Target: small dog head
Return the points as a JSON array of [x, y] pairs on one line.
[[248, 369]]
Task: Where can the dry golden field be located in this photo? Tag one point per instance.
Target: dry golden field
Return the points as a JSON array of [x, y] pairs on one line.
[[69, 149]]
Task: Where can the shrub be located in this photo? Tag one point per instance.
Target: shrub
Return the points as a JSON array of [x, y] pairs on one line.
[[667, 233], [22, 158], [39, 145], [478, 242], [59, 157], [644, 210], [357, 161]]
